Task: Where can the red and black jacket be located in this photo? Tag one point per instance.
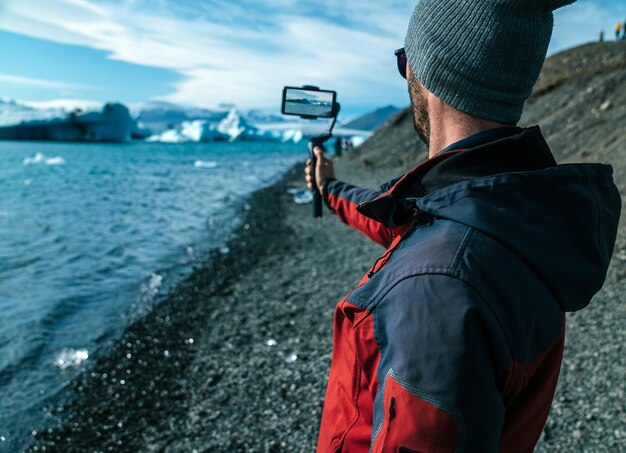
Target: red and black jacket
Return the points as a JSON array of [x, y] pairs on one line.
[[453, 340]]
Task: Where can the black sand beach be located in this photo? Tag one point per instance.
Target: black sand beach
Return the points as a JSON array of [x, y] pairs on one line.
[[200, 374]]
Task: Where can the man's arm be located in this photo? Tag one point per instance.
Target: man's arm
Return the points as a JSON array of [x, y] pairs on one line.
[[342, 199], [437, 374]]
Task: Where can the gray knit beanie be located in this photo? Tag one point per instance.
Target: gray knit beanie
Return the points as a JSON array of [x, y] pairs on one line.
[[482, 57]]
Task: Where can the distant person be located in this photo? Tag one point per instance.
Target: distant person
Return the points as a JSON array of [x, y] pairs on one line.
[[453, 340], [624, 30], [347, 144], [602, 36], [338, 147], [618, 28]]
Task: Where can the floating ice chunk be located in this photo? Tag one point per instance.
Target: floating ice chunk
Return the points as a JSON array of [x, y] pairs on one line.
[[70, 357], [292, 135], [166, 353], [205, 164], [291, 358], [271, 342], [39, 158], [36, 159], [58, 160], [224, 250], [155, 282], [149, 289], [27, 182], [301, 196]]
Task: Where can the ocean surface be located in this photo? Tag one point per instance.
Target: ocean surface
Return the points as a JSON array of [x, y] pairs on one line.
[[91, 235]]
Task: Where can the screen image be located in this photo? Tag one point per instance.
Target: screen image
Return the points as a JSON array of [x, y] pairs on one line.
[[305, 102]]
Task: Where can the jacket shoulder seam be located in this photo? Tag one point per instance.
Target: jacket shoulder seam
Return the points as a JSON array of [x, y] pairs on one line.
[[460, 251], [450, 274]]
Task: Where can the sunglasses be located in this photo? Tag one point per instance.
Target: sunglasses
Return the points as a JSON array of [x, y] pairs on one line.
[[401, 56]]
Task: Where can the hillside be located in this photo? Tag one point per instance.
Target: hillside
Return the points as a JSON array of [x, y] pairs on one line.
[[579, 101], [373, 120]]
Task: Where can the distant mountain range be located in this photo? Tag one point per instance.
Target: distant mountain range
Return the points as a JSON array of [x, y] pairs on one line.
[[373, 120]]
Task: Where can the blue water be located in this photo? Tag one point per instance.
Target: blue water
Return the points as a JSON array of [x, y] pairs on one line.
[[91, 235]]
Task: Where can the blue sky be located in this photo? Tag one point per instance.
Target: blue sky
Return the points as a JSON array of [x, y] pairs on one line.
[[236, 51]]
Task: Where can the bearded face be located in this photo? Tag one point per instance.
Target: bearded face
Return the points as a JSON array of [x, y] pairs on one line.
[[421, 120]]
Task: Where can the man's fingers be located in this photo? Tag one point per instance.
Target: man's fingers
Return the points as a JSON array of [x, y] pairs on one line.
[[319, 153]]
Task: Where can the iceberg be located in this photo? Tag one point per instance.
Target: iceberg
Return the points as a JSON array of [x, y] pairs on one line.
[[155, 121], [112, 124], [231, 127]]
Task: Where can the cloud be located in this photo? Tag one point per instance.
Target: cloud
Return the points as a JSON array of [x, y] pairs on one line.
[[245, 51], [41, 83], [242, 53]]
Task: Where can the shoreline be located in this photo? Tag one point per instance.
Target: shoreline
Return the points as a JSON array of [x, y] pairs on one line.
[[195, 372]]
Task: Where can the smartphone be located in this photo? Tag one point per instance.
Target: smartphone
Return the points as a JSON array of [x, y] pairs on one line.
[[309, 102]]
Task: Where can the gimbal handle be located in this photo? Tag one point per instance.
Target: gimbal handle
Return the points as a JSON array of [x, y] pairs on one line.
[[319, 140]]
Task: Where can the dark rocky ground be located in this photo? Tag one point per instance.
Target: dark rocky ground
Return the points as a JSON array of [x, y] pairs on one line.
[[229, 390]]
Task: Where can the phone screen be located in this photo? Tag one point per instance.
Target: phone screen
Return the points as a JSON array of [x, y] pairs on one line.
[[311, 103]]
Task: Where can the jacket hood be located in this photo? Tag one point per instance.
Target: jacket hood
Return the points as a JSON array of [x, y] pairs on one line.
[[561, 220]]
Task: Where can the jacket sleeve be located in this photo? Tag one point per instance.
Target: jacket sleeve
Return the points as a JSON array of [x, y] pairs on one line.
[[437, 389], [343, 198]]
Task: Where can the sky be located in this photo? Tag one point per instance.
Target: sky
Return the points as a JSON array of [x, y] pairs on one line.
[[243, 52]]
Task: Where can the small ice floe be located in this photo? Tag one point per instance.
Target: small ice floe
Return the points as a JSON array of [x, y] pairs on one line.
[[224, 250], [166, 353], [28, 182], [189, 255], [205, 164], [188, 340], [36, 159], [271, 342], [150, 289], [58, 160], [155, 282], [39, 158], [301, 196], [291, 358], [70, 358]]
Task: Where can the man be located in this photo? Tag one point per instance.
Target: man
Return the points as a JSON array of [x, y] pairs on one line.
[[454, 338]]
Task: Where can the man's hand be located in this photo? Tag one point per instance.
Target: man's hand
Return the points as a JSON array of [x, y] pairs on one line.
[[323, 170]]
